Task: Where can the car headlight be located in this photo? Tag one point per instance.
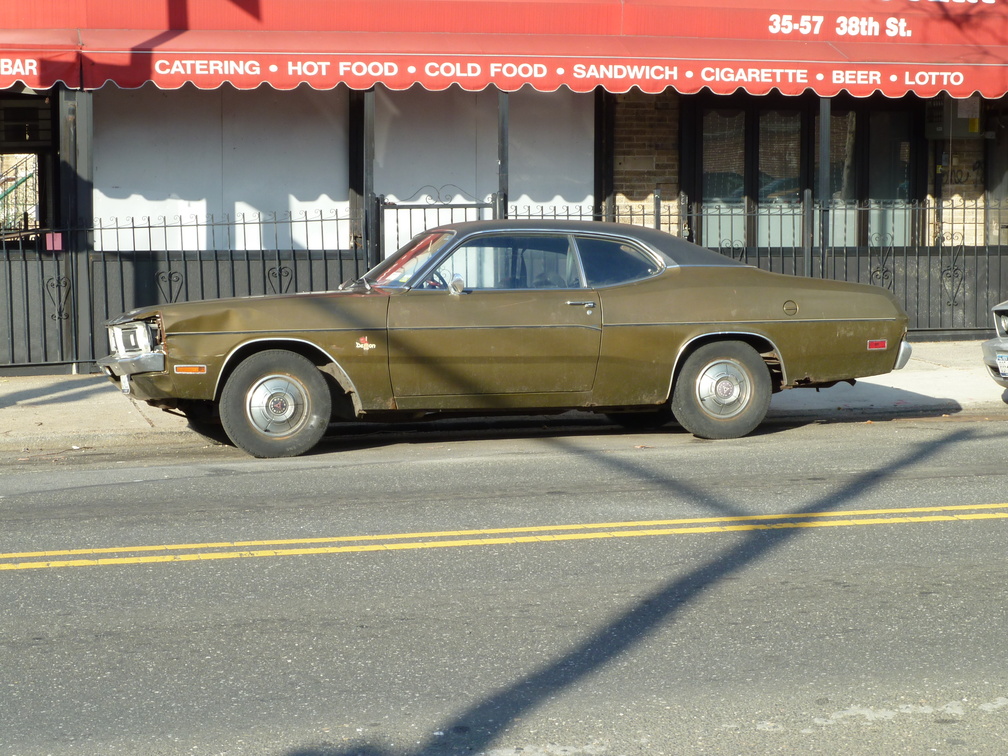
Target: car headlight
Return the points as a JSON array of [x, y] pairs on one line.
[[1001, 323], [131, 339]]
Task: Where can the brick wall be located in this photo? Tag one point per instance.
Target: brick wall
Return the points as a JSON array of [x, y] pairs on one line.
[[646, 156]]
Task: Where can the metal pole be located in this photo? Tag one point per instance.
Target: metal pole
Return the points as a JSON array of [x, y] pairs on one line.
[[373, 246], [824, 182], [808, 223], [503, 158]]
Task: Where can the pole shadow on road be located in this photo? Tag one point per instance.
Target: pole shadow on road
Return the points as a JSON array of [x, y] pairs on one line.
[[352, 436], [478, 727]]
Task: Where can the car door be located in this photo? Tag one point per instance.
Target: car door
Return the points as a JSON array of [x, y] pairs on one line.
[[642, 331], [524, 331]]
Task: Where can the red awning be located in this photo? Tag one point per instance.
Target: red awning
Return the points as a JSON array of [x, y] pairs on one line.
[[827, 46], [617, 63], [39, 59]]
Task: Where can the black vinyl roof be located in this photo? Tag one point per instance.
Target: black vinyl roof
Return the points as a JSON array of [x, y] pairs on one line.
[[676, 251]]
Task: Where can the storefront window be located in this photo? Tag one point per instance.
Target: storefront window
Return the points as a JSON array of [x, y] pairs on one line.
[[888, 155], [723, 184], [779, 190], [758, 159], [997, 176], [889, 217], [842, 158], [724, 153], [19, 200], [843, 189], [26, 146], [779, 156]]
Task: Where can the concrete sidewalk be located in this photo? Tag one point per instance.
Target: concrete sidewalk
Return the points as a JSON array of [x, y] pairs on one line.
[[944, 377], [45, 413]]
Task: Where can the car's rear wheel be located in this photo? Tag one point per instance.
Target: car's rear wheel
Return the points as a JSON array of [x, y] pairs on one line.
[[723, 390], [275, 404]]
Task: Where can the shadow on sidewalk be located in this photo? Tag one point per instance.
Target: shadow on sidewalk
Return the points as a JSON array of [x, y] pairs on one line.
[[29, 392]]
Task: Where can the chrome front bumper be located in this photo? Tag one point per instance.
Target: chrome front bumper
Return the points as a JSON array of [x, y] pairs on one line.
[[119, 369], [116, 367]]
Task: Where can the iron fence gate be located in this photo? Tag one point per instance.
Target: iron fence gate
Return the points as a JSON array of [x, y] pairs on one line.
[[398, 222], [945, 262]]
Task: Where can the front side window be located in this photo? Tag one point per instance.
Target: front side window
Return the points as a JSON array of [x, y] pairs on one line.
[[510, 261]]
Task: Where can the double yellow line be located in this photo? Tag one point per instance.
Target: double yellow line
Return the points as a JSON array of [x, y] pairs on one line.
[[199, 552]]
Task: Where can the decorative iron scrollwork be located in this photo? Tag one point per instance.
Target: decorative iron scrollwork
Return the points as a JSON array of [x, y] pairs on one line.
[[58, 290], [280, 279], [880, 252], [442, 195], [170, 285], [734, 248], [952, 274]]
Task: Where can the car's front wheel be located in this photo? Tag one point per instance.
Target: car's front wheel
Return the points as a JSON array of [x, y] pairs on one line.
[[275, 404], [723, 390]]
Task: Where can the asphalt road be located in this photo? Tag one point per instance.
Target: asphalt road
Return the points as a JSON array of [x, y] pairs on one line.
[[512, 589]]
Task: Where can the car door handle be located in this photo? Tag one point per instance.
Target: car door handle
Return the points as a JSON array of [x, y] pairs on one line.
[[589, 305]]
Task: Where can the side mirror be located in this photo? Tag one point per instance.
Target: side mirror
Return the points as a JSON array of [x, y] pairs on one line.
[[457, 285]]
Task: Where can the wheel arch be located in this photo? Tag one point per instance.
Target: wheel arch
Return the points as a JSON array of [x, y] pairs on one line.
[[763, 344], [324, 361]]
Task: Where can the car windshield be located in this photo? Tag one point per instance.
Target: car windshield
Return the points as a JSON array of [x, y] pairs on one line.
[[397, 269]]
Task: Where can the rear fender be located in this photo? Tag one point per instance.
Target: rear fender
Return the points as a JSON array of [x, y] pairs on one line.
[[761, 343]]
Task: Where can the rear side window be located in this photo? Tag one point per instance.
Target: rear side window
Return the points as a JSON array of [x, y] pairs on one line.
[[608, 261]]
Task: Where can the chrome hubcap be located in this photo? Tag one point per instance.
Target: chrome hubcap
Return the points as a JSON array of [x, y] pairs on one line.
[[723, 389], [276, 405]]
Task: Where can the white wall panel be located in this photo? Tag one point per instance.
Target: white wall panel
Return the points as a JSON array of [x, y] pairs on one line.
[[191, 154], [156, 153], [176, 156], [552, 149], [441, 147], [435, 145]]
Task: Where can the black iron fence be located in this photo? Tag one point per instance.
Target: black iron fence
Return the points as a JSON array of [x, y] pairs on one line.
[[58, 287], [944, 261]]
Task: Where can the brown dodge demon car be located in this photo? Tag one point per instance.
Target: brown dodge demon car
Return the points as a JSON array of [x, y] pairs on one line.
[[510, 316]]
